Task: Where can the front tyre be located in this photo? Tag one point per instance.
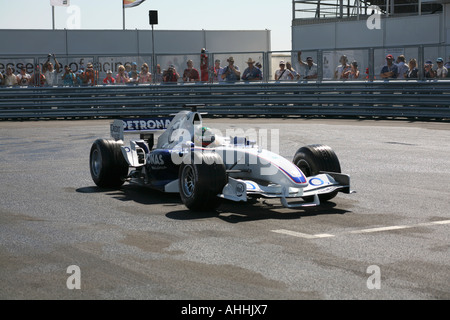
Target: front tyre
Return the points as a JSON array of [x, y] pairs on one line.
[[107, 164], [313, 159], [200, 181]]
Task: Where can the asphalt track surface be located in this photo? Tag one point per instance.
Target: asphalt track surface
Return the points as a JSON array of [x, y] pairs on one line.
[[136, 243]]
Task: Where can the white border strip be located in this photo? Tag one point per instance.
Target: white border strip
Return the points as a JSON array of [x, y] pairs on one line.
[[370, 230]]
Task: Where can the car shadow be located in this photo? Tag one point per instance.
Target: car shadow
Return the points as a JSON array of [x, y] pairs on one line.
[[135, 193], [236, 212], [228, 211]]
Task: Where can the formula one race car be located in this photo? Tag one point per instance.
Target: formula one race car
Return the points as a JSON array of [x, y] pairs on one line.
[[205, 167]]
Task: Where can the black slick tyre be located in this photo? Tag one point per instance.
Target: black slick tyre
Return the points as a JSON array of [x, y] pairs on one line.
[[107, 164], [313, 159], [201, 179]]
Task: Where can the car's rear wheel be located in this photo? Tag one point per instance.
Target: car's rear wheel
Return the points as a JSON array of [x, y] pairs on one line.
[[313, 159], [107, 165], [200, 181]]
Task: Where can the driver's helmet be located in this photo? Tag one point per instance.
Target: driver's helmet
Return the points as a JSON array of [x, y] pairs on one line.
[[205, 137]]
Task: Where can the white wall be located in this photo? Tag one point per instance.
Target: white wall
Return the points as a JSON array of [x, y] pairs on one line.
[[129, 42], [395, 31]]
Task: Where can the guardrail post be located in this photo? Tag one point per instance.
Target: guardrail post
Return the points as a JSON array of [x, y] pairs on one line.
[[421, 61], [320, 68], [371, 64]]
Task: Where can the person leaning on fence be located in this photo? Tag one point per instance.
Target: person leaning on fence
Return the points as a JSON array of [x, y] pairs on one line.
[[311, 70], [341, 70], [441, 71], [390, 70], [38, 78], [231, 72], [428, 71], [171, 74], [217, 72], [122, 75], [352, 73], [23, 78], [10, 79], [190, 74], [109, 79], [90, 75], [413, 72], [134, 69], [145, 76], [252, 73], [50, 73], [79, 76], [158, 74], [402, 67], [283, 73], [292, 70], [68, 77]]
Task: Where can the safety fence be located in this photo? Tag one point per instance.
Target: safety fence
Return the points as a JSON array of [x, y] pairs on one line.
[[396, 99]]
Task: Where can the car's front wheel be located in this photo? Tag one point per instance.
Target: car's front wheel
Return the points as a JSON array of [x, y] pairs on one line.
[[107, 164], [315, 158], [201, 179]]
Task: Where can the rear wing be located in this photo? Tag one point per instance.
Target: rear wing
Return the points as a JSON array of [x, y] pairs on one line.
[[138, 125]]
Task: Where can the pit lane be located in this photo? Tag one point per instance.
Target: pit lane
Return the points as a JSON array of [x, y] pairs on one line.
[[135, 243]]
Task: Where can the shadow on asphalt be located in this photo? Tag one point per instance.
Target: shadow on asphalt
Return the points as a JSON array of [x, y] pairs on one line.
[[228, 211]]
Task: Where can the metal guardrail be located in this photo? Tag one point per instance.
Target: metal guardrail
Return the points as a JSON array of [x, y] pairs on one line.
[[396, 99]]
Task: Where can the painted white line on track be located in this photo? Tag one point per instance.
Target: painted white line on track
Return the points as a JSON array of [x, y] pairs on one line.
[[303, 235], [370, 230]]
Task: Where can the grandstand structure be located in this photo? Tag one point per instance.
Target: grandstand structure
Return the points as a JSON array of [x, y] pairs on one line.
[[332, 24], [321, 11]]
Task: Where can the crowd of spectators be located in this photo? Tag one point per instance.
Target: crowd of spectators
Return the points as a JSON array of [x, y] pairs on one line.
[[50, 75], [400, 70]]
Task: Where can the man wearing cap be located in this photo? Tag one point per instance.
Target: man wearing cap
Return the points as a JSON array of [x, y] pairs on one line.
[[441, 71], [283, 73], [90, 75], [390, 70], [231, 72], [311, 71], [109, 78], [252, 73]]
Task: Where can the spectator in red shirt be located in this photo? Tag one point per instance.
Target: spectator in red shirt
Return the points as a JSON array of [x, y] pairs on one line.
[[190, 74], [38, 79], [109, 78], [204, 61]]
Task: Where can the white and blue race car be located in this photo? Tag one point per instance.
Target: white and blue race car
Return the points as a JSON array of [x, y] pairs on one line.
[[204, 167]]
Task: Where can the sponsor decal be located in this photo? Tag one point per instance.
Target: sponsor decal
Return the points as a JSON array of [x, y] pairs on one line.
[[146, 124], [316, 182], [156, 159]]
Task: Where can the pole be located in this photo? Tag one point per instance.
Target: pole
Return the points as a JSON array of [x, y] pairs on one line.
[[123, 13], [153, 54], [53, 17]]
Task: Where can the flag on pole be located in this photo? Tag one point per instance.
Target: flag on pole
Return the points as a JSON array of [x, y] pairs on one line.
[[131, 3], [60, 3]]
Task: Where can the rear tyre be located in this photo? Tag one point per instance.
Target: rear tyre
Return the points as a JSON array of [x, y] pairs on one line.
[[201, 180], [107, 164], [315, 158]]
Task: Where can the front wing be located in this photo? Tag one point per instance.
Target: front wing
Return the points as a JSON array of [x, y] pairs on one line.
[[323, 183]]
